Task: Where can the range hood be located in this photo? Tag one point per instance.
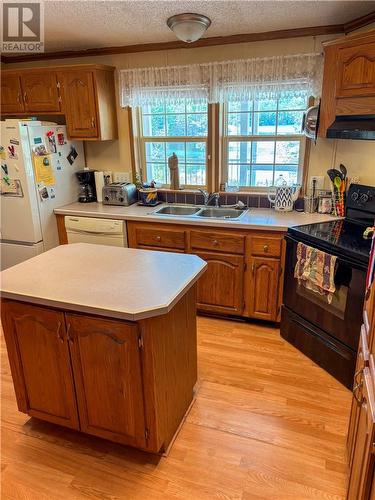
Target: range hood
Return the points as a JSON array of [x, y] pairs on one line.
[[353, 127]]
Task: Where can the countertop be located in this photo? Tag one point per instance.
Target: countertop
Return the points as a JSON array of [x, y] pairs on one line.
[[111, 281], [254, 218]]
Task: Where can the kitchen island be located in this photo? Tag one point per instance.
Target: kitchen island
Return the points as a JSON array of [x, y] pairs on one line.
[[103, 340]]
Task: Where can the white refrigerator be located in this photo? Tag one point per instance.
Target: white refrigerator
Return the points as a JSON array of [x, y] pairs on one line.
[[38, 165]]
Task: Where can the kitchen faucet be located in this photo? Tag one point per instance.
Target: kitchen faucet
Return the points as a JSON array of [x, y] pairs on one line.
[[208, 197]]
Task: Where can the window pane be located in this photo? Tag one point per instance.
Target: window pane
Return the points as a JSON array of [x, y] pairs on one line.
[[288, 100], [289, 173], [158, 108], [238, 174], [264, 124], [196, 107], [261, 175], [197, 124], [239, 151], [239, 124], [175, 107], [287, 152], [240, 106], [155, 151], [157, 172], [178, 148], [289, 122], [263, 152], [196, 152], [154, 126], [195, 175], [176, 125], [266, 105]]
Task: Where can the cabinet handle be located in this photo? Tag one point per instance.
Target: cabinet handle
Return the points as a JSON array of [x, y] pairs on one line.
[[355, 389], [253, 268], [25, 98], [92, 122], [215, 243], [158, 238], [19, 97], [59, 336], [265, 248], [70, 338]]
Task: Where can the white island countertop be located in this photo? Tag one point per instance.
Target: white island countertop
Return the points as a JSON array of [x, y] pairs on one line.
[[111, 281], [254, 218]]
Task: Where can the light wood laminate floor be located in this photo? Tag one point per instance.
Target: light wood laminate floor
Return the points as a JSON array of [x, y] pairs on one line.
[[267, 424]]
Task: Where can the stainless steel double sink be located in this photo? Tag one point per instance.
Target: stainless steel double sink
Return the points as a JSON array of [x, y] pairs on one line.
[[202, 212]]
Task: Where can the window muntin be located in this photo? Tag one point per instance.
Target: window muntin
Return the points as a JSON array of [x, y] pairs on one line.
[[180, 128], [262, 140]]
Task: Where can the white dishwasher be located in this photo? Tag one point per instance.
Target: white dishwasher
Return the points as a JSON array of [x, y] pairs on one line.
[[98, 231]]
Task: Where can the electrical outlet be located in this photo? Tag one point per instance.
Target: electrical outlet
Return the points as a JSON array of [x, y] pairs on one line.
[[121, 176], [319, 182]]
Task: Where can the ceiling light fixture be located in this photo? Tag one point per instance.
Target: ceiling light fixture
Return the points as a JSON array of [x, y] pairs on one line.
[[188, 27]]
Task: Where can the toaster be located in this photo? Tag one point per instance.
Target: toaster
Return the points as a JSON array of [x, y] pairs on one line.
[[119, 193]]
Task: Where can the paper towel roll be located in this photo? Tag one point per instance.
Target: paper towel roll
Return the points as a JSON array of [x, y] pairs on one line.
[[99, 183]]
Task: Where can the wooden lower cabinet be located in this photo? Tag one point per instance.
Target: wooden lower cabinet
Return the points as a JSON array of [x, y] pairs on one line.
[[220, 289], [228, 286], [107, 372], [39, 358], [264, 287], [128, 382]]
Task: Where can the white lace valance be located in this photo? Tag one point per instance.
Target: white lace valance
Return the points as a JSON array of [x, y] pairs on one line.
[[238, 80]]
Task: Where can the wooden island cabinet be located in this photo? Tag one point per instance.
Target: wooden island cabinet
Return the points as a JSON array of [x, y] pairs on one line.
[[130, 381]]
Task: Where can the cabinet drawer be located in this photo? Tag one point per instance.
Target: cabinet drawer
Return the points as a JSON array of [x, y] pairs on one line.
[[265, 246], [167, 238], [220, 242]]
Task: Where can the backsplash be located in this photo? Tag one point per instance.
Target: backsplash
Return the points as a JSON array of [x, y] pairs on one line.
[[250, 200]]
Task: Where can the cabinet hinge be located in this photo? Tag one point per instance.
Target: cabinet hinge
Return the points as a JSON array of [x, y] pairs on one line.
[[147, 434], [140, 342]]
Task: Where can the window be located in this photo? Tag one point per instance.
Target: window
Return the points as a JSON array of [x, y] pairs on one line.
[[180, 128], [262, 140]]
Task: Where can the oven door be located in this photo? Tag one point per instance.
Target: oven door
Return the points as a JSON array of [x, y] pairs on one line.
[[343, 316]]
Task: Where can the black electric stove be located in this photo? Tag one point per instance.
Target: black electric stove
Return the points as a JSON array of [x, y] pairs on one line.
[[329, 332]]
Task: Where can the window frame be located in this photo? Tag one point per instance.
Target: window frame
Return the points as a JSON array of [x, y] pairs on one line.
[[143, 140], [226, 139]]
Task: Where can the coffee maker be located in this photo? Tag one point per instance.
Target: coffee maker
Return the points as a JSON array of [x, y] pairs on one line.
[[87, 191]]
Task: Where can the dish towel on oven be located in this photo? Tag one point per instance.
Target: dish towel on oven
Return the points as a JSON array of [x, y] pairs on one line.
[[316, 270]]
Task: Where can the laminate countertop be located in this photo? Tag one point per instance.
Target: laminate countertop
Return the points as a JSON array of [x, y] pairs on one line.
[[254, 218], [111, 281]]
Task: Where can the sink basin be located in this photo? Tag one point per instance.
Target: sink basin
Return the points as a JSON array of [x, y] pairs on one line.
[[177, 210], [221, 213]]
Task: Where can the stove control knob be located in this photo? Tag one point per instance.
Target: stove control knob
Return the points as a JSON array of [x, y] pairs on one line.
[[364, 198], [106, 198], [121, 199], [355, 196]]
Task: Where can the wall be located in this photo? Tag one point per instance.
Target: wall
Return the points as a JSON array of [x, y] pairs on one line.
[[358, 156]]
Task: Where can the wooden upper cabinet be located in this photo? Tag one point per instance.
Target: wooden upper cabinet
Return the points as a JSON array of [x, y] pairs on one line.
[[89, 103], [265, 275], [348, 78], [107, 372], [356, 67], [39, 356], [80, 104], [11, 94], [40, 91], [220, 288], [85, 94]]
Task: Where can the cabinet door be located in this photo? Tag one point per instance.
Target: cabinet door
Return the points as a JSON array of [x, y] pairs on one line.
[[264, 288], [107, 374], [39, 358], [362, 362], [220, 288], [356, 71], [40, 91], [363, 463], [11, 94], [80, 104]]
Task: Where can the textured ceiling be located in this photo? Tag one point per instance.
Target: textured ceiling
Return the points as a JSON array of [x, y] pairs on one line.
[[90, 24]]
